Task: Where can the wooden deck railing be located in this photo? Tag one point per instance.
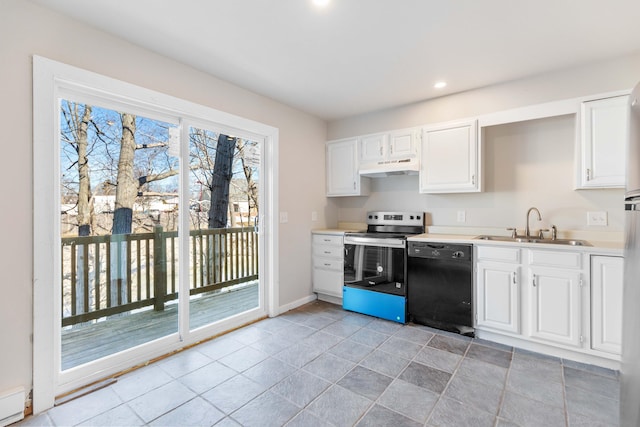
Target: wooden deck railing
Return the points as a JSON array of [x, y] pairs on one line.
[[107, 275]]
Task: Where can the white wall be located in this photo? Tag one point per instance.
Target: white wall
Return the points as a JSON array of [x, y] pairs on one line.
[[25, 30], [525, 164]]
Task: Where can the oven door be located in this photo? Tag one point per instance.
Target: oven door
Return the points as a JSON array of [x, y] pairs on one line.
[[375, 264]]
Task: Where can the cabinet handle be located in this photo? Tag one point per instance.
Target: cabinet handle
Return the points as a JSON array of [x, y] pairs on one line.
[[327, 265], [391, 149], [473, 179], [533, 282], [513, 275], [354, 185], [381, 150], [327, 252], [588, 174]]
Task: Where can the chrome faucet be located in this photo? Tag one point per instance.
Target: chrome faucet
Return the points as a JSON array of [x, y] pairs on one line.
[[527, 230]]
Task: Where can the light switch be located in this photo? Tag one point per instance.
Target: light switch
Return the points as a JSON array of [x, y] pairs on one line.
[[462, 216], [597, 218], [314, 216], [284, 217]]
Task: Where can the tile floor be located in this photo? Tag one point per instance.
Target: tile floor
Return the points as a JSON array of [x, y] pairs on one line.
[[322, 366]]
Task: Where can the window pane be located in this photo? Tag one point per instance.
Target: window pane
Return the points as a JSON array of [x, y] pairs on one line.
[[119, 215], [223, 191]]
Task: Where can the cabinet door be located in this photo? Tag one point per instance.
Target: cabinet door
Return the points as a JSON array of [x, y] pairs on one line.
[[498, 296], [342, 168], [402, 144], [603, 140], [606, 303], [555, 305], [449, 159], [328, 282], [373, 148]]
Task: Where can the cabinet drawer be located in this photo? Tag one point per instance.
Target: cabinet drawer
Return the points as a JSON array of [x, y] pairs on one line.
[[328, 251], [496, 253], [328, 263], [327, 239], [328, 282], [555, 259]]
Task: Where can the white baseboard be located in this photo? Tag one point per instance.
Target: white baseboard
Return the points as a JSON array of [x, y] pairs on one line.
[[296, 304], [11, 406]]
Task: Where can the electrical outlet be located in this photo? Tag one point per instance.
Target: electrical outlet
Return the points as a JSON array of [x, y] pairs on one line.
[[462, 216], [597, 218], [314, 216], [284, 217]]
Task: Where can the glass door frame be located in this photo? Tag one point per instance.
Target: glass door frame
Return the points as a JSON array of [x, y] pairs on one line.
[[50, 80]]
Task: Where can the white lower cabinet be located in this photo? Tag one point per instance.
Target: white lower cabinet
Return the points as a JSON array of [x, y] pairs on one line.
[[606, 303], [563, 302], [328, 264], [555, 282], [555, 305], [498, 289]]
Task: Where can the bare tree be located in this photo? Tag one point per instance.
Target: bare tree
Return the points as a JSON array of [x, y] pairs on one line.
[[127, 184], [131, 178], [214, 169], [220, 180], [252, 187], [75, 135]]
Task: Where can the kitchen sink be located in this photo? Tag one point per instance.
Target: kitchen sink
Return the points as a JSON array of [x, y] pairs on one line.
[[520, 239]]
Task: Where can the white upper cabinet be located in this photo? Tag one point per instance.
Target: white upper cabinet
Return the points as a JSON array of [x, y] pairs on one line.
[[403, 144], [602, 142], [342, 169], [383, 147], [373, 148], [449, 159]]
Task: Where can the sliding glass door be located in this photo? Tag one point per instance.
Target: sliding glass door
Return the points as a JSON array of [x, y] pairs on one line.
[[149, 226], [121, 209]]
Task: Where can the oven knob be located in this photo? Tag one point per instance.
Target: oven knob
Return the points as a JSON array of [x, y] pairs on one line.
[[411, 217], [376, 217], [370, 216], [458, 254], [418, 217]]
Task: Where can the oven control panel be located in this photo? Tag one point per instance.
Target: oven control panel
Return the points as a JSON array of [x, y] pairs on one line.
[[395, 218]]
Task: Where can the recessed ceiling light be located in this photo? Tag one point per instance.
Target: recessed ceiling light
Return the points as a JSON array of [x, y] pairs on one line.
[[321, 3], [440, 85]]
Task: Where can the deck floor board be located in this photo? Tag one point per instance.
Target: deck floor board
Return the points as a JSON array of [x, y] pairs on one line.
[[91, 341]]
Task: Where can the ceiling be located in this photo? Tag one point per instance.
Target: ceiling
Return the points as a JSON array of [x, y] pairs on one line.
[[358, 56]]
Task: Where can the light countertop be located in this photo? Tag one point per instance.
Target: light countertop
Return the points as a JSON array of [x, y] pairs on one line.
[[333, 230], [599, 247]]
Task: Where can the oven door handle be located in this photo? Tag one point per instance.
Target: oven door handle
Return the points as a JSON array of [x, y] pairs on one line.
[[372, 241]]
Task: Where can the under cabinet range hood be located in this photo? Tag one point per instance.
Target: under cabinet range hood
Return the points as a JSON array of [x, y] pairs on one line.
[[385, 168]]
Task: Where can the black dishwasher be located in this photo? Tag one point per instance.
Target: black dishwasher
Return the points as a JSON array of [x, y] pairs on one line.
[[440, 286]]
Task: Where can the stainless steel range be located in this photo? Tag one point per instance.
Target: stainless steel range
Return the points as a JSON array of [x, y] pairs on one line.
[[375, 265]]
